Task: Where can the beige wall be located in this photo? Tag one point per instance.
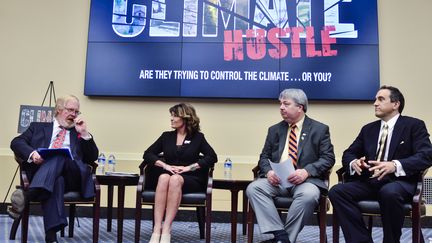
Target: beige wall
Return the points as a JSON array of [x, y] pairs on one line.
[[46, 40]]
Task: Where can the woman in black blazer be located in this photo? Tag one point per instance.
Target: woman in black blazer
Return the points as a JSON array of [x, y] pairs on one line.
[[181, 170]]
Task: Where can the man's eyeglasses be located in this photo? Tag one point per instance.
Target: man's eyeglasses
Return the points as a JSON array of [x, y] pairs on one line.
[[72, 111]]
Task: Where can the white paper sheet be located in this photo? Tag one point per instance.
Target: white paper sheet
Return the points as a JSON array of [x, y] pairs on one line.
[[283, 170]]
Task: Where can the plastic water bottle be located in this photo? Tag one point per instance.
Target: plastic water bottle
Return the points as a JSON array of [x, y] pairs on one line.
[[101, 164], [228, 169], [111, 163]]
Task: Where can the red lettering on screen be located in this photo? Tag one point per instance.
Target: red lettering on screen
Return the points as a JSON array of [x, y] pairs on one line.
[[276, 42]]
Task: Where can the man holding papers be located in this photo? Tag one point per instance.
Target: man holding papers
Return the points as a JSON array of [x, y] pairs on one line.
[[54, 172], [306, 144]]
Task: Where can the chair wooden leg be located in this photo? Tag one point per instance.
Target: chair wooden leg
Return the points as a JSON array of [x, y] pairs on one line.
[[72, 211], [421, 237], [138, 219], [14, 228], [152, 216], [244, 213], [370, 224], [25, 223], [335, 227], [208, 220], [415, 234], [322, 225], [200, 211], [250, 223], [96, 217], [416, 227]]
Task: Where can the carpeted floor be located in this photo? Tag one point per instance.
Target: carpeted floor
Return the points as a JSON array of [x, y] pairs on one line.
[[182, 232]]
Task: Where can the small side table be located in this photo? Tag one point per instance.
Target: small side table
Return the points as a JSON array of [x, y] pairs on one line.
[[121, 181], [234, 186]]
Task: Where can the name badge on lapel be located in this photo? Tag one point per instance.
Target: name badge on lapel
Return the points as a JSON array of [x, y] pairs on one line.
[[187, 141], [303, 136]]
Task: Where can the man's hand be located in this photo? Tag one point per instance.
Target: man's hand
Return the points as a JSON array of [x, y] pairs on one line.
[[359, 165], [81, 127], [36, 158], [381, 168], [298, 177], [272, 178]]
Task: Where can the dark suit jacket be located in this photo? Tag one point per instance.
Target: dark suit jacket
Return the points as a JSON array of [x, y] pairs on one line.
[[187, 154], [409, 144], [39, 134], [315, 150]]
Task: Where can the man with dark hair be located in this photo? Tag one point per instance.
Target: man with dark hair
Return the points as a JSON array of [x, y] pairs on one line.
[[50, 177], [383, 162], [306, 144]]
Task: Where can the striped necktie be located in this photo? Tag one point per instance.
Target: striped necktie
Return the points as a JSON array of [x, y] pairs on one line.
[[292, 145], [383, 143], [58, 142]]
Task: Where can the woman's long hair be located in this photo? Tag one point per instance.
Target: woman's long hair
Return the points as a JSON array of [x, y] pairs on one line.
[[188, 114]]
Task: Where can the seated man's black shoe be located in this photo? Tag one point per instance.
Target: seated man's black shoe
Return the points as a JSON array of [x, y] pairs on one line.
[[51, 236], [281, 236]]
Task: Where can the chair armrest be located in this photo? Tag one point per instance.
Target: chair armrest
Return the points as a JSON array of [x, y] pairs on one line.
[[93, 166], [19, 160], [210, 181], [209, 186], [140, 186], [255, 171], [327, 178], [341, 175], [141, 181], [142, 166], [417, 198], [96, 182], [24, 180]]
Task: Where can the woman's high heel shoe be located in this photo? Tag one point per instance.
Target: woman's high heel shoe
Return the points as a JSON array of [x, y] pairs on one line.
[[165, 238], [155, 238]]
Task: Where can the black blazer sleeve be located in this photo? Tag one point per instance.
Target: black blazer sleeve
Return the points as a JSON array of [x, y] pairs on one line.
[[23, 145]]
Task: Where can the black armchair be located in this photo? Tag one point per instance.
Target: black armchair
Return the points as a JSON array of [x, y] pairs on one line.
[[70, 198], [370, 208], [201, 200], [283, 204]]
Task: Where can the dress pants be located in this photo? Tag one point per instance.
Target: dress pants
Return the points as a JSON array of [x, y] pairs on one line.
[[261, 193], [390, 195], [54, 177]]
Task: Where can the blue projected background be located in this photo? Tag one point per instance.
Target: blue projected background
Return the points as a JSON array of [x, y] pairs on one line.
[[233, 48]]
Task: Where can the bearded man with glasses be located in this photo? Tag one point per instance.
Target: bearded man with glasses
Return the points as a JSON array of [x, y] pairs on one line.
[[52, 175]]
